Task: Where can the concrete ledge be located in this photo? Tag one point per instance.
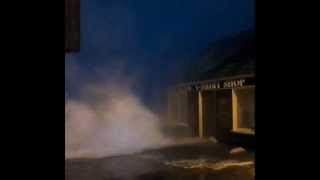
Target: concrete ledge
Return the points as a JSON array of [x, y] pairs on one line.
[[243, 131]]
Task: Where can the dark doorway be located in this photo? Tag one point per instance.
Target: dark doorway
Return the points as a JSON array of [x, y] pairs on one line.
[[209, 114], [224, 114], [193, 113]]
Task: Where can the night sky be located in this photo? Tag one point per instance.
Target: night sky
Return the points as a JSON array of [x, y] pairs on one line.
[[150, 40]]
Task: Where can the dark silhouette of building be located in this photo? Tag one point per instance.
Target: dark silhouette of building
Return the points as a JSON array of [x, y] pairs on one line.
[[72, 25]]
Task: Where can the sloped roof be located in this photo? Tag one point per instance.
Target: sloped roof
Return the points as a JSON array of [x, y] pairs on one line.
[[230, 57]]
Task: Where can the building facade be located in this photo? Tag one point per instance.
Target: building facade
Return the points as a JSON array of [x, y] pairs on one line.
[[220, 101]]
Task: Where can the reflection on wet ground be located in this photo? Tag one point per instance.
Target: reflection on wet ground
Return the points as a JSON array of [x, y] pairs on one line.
[[187, 162]]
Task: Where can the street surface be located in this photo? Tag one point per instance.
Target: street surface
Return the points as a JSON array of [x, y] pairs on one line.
[[204, 161]]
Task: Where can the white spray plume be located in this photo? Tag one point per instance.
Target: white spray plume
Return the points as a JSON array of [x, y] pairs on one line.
[[107, 118], [116, 123]]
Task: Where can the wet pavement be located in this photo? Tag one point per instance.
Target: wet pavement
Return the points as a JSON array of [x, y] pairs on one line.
[[185, 162]]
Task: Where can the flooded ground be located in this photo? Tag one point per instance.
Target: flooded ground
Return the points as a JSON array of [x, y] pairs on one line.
[[204, 161]]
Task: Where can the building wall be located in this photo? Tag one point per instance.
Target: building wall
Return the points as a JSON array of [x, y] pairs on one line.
[[182, 111], [217, 115]]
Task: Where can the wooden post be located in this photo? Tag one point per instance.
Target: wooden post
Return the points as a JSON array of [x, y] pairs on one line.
[[234, 110]]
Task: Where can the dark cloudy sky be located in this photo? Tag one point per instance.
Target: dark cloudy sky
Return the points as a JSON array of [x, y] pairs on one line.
[[150, 39]]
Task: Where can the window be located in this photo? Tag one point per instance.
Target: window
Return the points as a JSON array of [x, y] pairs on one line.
[[243, 107]]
